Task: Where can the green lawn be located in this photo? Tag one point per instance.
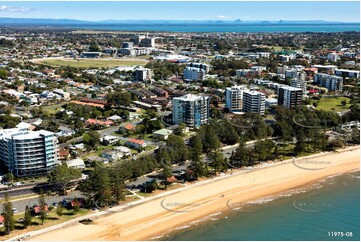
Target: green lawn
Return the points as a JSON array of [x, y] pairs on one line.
[[52, 219], [52, 109], [94, 63], [333, 103]]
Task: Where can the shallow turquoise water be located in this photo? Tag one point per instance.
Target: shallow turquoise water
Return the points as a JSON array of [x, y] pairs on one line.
[[310, 213]]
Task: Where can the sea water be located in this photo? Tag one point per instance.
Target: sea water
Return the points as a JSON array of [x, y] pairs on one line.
[[326, 210]]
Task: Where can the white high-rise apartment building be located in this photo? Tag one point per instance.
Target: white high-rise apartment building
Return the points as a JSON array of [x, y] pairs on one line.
[[289, 96], [254, 102], [192, 110], [28, 153], [234, 98]]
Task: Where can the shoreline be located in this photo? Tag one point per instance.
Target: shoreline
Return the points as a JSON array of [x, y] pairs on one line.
[[158, 216], [249, 207]]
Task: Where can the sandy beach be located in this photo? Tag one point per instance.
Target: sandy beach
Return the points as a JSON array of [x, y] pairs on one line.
[[160, 216]]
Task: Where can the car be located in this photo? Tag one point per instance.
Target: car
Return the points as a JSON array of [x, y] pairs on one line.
[[55, 204], [20, 220], [15, 210]]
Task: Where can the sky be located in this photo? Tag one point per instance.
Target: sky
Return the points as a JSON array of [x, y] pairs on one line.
[[270, 10]]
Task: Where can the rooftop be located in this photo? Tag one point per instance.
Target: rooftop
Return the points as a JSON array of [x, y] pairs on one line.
[[20, 134]]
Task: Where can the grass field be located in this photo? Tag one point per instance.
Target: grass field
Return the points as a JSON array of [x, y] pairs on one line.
[[93, 63], [52, 109], [52, 219], [333, 103]]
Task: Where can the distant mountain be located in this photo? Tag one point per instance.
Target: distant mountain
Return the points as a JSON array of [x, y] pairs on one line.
[[69, 22], [39, 21]]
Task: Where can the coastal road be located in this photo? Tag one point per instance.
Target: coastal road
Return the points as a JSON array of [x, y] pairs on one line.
[[24, 190], [20, 204]]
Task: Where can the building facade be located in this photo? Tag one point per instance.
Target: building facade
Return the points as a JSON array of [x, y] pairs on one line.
[[192, 110], [234, 98], [28, 153], [347, 73], [331, 82], [143, 74], [298, 83], [254, 102], [193, 74], [289, 97]]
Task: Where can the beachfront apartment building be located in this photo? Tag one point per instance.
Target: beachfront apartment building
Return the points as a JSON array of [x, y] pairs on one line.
[[254, 102], [28, 153], [192, 110], [234, 98], [289, 97], [193, 74], [331, 82]]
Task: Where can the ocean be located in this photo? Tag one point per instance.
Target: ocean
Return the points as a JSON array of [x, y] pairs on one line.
[[224, 28], [326, 210]]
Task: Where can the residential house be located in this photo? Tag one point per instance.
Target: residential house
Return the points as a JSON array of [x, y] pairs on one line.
[[109, 139], [162, 134], [136, 144], [112, 155], [76, 163], [127, 128]]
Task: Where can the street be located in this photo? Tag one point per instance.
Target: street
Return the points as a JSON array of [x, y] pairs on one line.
[[21, 204]]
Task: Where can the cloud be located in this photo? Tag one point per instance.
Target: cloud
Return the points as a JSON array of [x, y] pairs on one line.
[[5, 8], [222, 17]]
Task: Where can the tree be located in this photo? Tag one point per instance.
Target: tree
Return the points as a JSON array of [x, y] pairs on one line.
[[180, 129], [94, 47], [343, 102], [227, 134], [263, 148], [8, 214], [91, 138], [59, 210], [301, 144], [197, 167], [3, 74], [42, 206], [9, 177], [61, 176], [241, 156], [27, 217], [119, 98], [165, 174], [97, 187], [276, 152], [196, 146], [211, 141], [217, 161], [149, 187], [117, 184]]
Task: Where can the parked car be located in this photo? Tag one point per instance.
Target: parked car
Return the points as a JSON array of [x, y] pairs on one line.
[[20, 220]]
